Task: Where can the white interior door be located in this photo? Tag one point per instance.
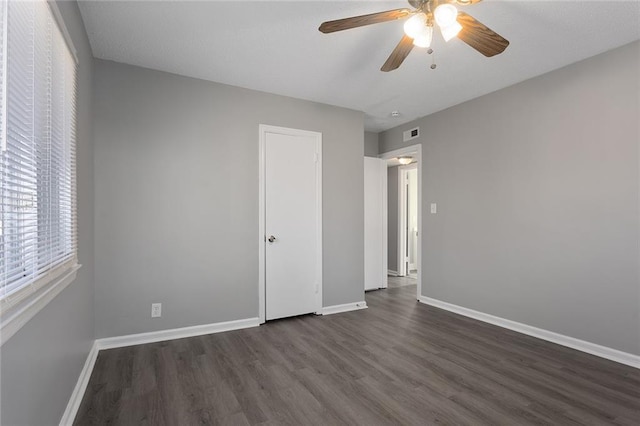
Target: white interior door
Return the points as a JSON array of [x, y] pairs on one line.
[[408, 220], [292, 222], [375, 223], [412, 219]]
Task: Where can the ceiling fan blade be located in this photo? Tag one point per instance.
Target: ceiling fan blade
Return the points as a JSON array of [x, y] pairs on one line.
[[360, 21], [398, 55], [480, 37]]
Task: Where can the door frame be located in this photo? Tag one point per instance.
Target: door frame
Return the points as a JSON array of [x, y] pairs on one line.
[[263, 129], [416, 151], [403, 237]]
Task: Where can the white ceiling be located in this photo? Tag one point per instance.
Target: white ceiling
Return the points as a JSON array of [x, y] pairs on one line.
[[275, 46]]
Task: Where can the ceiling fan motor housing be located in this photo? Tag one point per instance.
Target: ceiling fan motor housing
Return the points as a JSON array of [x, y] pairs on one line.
[[421, 4]]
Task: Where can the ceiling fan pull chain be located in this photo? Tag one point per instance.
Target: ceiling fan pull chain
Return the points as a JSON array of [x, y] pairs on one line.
[[433, 59]]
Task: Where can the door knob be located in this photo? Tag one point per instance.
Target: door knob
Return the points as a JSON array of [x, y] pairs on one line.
[[271, 239]]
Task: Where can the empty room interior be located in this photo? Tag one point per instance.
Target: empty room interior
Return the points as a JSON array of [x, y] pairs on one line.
[[319, 212]]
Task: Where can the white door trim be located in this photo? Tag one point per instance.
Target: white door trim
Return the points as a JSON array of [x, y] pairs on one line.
[[416, 152], [263, 129]]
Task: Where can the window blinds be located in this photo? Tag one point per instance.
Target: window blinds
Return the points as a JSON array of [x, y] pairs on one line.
[[37, 164]]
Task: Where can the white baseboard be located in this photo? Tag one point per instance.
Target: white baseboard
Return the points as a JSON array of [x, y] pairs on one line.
[[392, 273], [336, 309], [550, 336], [137, 339], [81, 386], [175, 333]]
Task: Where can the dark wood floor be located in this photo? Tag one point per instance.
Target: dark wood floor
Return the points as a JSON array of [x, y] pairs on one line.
[[393, 282], [398, 362]]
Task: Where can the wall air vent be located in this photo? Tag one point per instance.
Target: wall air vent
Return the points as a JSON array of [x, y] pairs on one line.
[[411, 134]]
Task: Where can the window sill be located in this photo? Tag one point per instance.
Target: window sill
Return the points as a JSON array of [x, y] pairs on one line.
[[13, 318]]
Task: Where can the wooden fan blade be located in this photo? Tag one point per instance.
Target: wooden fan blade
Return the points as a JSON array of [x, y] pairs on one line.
[[360, 21], [480, 37], [398, 55]]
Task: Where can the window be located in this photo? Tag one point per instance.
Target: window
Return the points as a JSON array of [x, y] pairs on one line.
[[37, 152]]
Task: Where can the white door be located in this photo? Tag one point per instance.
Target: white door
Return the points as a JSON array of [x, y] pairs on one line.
[[408, 188], [412, 220], [292, 221], [375, 223]]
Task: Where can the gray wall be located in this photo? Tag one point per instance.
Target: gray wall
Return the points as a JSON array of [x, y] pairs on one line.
[[176, 175], [392, 218], [41, 362], [537, 192], [370, 144]]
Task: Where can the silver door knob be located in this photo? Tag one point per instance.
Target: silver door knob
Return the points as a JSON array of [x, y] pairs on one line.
[[271, 239]]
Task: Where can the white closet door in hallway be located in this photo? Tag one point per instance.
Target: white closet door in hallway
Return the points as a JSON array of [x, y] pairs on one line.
[[375, 223]]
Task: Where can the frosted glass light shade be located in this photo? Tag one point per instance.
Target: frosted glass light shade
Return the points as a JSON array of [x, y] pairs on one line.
[[415, 25], [445, 15], [425, 38], [451, 31]]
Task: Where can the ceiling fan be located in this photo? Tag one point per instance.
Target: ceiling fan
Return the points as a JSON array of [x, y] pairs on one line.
[[419, 28]]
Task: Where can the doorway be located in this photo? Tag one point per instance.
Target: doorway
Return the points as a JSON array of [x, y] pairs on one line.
[[404, 195], [290, 222]]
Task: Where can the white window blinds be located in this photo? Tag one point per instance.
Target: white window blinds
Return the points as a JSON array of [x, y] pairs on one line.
[[37, 159]]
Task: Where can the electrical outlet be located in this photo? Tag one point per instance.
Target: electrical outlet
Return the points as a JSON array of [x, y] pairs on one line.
[[156, 310]]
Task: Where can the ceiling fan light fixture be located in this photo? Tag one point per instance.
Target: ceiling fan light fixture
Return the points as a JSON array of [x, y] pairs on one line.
[[445, 15], [425, 38], [451, 31], [419, 27], [415, 25]]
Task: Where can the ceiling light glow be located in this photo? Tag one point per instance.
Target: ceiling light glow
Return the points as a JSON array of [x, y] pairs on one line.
[[425, 38], [451, 31], [415, 25], [445, 15]]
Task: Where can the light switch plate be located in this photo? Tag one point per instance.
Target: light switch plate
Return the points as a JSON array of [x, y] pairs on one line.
[[434, 208]]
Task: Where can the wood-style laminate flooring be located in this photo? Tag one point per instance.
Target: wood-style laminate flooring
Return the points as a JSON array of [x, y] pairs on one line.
[[393, 282], [397, 363]]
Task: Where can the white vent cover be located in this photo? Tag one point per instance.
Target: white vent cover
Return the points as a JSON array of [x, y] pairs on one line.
[[411, 134]]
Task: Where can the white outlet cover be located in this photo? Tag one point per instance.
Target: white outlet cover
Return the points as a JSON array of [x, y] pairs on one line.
[[156, 310]]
